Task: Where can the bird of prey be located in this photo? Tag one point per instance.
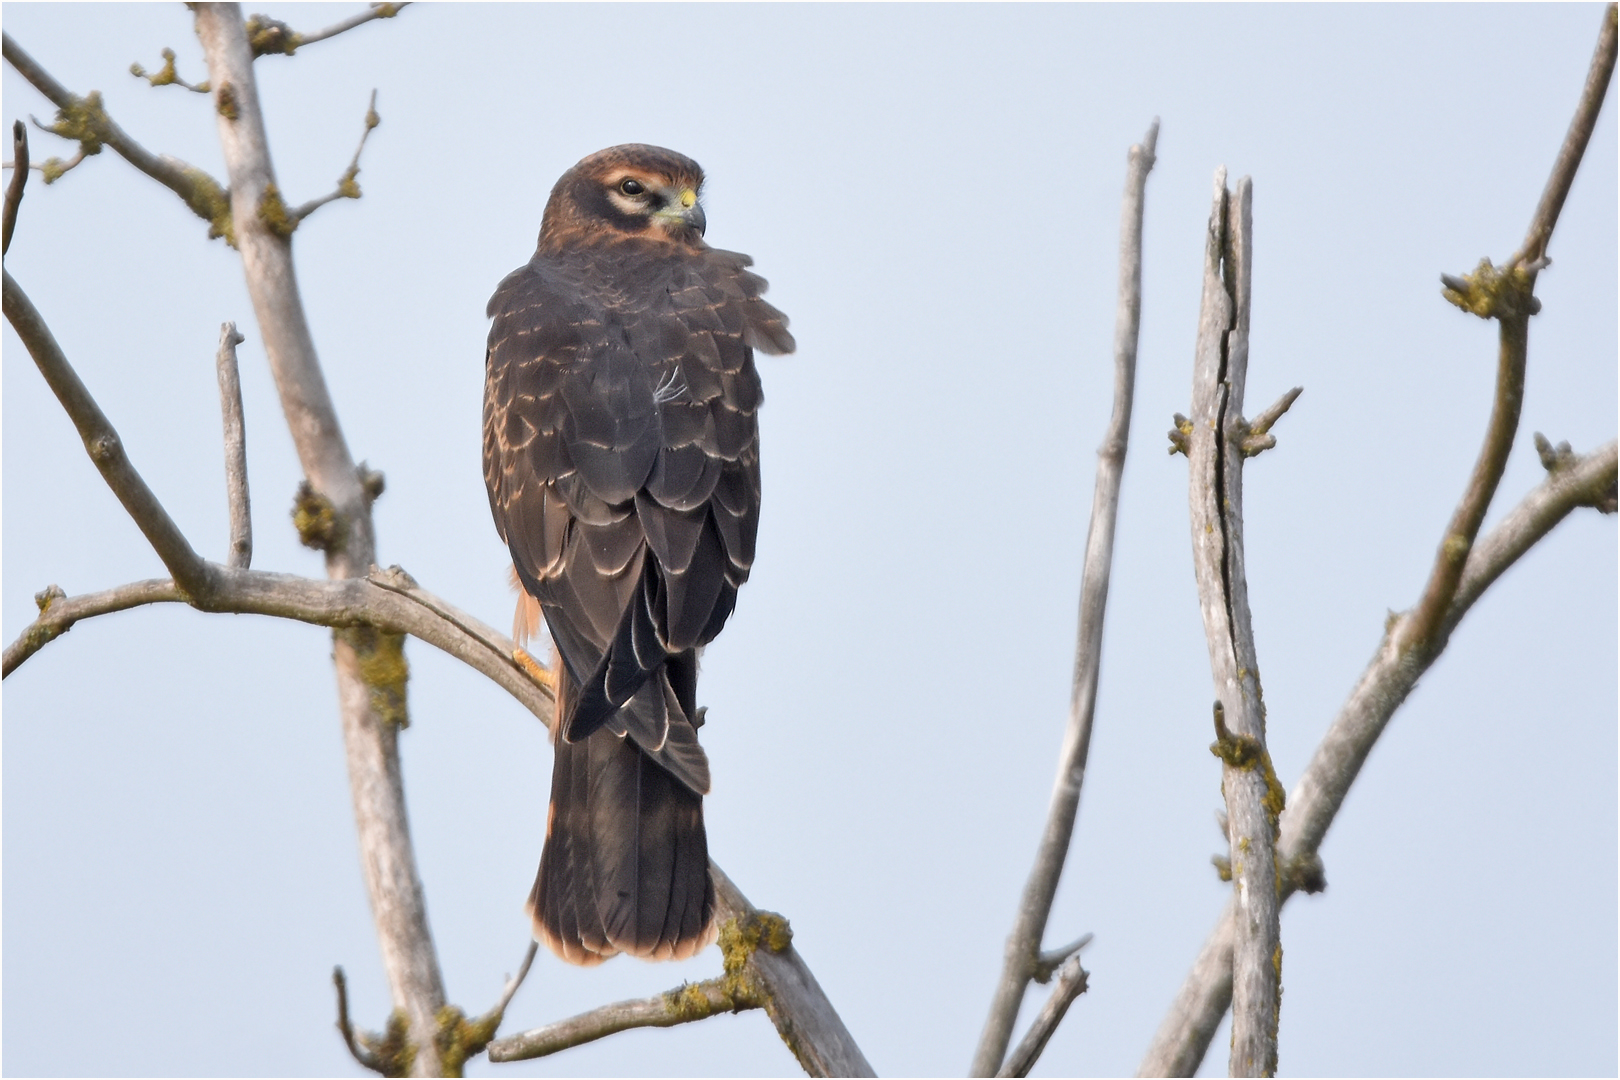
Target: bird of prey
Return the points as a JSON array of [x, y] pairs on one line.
[[621, 452]]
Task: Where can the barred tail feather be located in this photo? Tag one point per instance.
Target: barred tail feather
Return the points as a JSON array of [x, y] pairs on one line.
[[626, 864]]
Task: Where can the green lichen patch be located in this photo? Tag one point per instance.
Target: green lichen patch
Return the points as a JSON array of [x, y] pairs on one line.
[[1492, 292], [225, 102], [393, 1053], [274, 213], [266, 36], [212, 203], [383, 669], [318, 522], [459, 1039], [84, 120]]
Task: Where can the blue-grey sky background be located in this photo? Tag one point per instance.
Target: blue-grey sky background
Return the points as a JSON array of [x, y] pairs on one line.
[[934, 194]]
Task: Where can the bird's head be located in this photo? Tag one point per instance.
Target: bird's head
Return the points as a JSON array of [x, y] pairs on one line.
[[633, 189]]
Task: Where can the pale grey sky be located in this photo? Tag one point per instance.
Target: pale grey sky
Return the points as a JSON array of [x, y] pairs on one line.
[[934, 194]]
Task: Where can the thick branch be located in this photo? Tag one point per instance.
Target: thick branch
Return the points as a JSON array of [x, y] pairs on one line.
[[1035, 907], [1182, 1039], [369, 735], [1215, 473], [85, 120], [236, 484], [795, 1002]]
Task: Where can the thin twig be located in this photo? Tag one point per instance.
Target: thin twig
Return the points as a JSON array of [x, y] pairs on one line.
[[85, 120], [269, 36], [347, 186], [19, 180], [377, 11], [511, 988], [236, 483], [1052, 959], [1257, 435], [167, 75], [1568, 162], [1184, 1036], [1070, 984], [360, 1053], [1035, 907]]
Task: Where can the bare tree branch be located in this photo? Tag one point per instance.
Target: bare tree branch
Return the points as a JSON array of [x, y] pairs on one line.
[[1413, 641], [347, 186], [1071, 983], [377, 11], [358, 1045], [19, 180], [1183, 1037], [1215, 498], [190, 572], [236, 484], [390, 601], [58, 612], [794, 1000], [167, 75], [268, 36], [1568, 162], [682, 1005], [86, 121], [762, 970], [1256, 436], [371, 672], [1024, 943]]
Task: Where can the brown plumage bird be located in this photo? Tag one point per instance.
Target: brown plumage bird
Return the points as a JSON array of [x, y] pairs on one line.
[[621, 452]]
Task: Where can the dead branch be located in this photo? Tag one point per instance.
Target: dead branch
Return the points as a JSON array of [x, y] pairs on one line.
[[795, 1002], [1462, 572], [1071, 983], [1215, 499], [1184, 1035], [347, 187], [236, 484], [1024, 943], [682, 1005], [86, 121], [371, 707]]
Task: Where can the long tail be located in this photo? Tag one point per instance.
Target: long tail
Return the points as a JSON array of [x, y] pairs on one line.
[[625, 866]]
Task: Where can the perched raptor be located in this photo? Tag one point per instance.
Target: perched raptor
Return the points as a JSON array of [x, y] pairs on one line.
[[621, 452]]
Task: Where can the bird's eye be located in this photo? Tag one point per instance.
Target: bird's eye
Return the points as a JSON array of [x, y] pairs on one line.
[[631, 187]]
